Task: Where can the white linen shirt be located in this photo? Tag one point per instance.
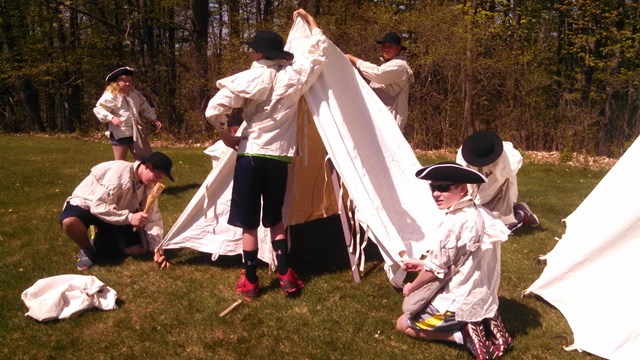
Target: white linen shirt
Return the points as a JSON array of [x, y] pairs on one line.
[[112, 193], [130, 109], [472, 293], [390, 81], [500, 191], [269, 92]]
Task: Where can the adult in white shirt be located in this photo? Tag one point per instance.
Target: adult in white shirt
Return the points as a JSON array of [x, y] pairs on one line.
[[390, 80], [467, 260], [499, 162], [112, 199], [268, 92]]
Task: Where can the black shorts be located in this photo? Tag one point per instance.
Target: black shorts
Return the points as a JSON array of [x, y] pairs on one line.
[[257, 180], [127, 140], [109, 238]]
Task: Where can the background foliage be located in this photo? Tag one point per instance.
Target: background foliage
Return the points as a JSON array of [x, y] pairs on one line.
[[547, 74]]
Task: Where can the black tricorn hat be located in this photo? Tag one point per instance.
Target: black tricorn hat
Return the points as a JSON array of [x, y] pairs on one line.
[[271, 44], [482, 148], [451, 172], [124, 70], [392, 38], [161, 162]]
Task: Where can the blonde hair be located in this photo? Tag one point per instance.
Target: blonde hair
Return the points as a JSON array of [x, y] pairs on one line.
[[113, 88]]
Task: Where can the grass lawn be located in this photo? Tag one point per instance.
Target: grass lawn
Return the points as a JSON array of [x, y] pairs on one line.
[[174, 314]]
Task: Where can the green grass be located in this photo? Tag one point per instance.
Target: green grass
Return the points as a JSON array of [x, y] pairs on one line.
[[174, 313]]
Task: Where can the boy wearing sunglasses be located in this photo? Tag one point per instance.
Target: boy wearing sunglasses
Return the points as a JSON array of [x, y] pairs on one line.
[[466, 262]]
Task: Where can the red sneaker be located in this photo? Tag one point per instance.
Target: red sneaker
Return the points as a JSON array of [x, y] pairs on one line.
[[247, 289], [476, 342], [528, 217], [496, 333], [289, 282]]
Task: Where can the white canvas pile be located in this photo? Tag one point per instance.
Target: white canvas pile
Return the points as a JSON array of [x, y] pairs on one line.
[[592, 273], [372, 157], [64, 296]]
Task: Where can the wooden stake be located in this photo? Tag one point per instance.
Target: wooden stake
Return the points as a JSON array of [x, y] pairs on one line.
[[231, 307]]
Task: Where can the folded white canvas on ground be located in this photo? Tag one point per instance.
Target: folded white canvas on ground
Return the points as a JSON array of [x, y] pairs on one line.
[[63, 296], [592, 273], [343, 121]]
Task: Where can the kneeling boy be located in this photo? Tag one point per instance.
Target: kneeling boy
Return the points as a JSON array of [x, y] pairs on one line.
[[468, 255]]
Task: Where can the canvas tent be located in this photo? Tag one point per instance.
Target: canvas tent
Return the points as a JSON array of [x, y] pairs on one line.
[[343, 124], [592, 273]]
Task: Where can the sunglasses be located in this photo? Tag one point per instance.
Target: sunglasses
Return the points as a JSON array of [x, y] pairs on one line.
[[441, 188]]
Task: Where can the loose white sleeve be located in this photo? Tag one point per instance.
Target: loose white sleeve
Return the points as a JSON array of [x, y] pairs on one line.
[[105, 105], [392, 71]]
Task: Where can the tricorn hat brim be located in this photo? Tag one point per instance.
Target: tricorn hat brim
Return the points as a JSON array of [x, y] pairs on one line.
[[450, 172], [125, 70]]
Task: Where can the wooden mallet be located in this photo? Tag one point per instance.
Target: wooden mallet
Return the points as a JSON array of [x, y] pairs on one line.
[[151, 198]]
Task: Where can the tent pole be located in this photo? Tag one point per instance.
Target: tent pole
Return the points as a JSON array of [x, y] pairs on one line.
[[343, 219]]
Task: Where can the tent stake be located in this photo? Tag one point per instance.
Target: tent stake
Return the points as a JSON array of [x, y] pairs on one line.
[[231, 307]]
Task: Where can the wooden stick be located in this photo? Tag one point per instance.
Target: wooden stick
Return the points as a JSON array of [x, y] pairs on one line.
[[152, 197], [231, 307]]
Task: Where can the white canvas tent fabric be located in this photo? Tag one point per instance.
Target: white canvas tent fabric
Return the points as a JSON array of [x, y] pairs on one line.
[[372, 157], [592, 273], [64, 296]]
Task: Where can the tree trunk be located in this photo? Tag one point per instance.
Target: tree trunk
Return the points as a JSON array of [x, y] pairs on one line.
[[200, 17], [31, 99], [173, 117]]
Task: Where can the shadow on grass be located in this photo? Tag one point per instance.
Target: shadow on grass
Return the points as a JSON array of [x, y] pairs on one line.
[[113, 260], [197, 258], [526, 230], [116, 259], [519, 318], [172, 190], [319, 247]]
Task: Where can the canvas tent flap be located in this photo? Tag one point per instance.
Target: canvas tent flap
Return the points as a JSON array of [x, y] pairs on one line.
[[592, 269], [370, 154], [374, 160]]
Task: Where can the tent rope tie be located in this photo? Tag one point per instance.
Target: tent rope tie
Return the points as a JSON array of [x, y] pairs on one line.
[[325, 204], [357, 246], [571, 347], [362, 246], [354, 224], [349, 209], [357, 236], [206, 204], [305, 130]]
